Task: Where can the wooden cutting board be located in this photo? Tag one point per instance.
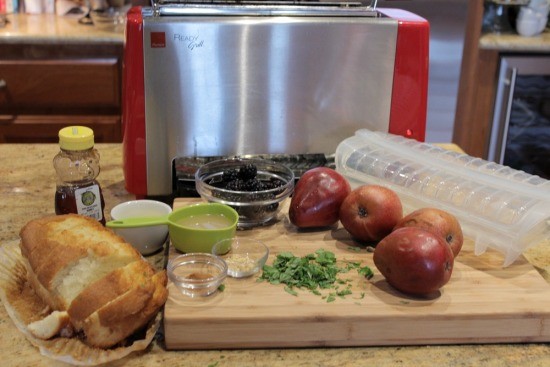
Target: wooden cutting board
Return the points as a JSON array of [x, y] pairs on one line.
[[482, 303]]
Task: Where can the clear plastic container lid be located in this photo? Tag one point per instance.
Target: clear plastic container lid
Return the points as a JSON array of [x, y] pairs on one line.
[[497, 206]]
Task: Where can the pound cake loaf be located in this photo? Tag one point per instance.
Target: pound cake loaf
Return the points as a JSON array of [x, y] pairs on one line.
[[97, 286]]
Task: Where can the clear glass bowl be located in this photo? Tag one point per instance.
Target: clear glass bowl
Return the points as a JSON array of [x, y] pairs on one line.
[[244, 256], [197, 274], [254, 207]]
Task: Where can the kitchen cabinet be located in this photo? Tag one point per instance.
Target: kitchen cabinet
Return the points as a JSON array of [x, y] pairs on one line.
[[48, 83], [43, 88]]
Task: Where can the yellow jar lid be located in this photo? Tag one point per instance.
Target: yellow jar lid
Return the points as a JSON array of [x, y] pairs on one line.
[[76, 138]]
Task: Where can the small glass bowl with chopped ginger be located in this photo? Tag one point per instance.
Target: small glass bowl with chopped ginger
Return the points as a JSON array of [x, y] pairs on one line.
[[197, 274], [244, 256]]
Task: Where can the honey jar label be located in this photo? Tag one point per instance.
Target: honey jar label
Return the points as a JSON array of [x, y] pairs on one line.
[[88, 202]]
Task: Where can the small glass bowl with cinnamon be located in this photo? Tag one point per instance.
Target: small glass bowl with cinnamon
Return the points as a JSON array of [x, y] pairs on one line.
[[197, 274]]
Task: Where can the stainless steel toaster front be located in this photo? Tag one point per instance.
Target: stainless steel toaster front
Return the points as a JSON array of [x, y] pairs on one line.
[[219, 85]]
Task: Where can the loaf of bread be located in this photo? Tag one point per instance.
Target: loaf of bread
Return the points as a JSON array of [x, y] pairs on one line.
[[87, 274]]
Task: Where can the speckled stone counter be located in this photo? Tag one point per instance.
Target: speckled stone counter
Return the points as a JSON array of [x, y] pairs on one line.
[[49, 28], [27, 186], [516, 43]]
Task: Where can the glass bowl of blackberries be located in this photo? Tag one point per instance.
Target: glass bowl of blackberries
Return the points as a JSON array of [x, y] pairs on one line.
[[255, 188]]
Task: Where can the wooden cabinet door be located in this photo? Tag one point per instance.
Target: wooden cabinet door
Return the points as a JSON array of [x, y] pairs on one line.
[[86, 86]]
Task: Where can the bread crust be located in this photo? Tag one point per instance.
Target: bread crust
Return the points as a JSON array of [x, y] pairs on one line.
[[39, 289], [105, 286], [108, 288], [52, 243]]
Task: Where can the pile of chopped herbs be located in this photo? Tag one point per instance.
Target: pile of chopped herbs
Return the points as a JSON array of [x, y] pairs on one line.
[[313, 272]]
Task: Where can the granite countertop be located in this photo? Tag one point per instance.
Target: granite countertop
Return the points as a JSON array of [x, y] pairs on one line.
[[27, 187], [49, 28], [516, 43]]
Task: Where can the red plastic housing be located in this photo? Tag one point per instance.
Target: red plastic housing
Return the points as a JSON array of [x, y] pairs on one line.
[[133, 106], [410, 80]]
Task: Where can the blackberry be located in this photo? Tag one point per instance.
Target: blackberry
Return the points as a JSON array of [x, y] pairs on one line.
[[277, 182], [273, 183], [230, 174], [248, 171], [235, 185], [265, 185], [253, 185]]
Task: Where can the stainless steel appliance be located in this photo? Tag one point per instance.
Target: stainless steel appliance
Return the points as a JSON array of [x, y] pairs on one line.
[[221, 78], [520, 135]]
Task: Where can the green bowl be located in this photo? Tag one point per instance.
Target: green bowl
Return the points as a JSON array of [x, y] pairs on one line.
[[196, 228]]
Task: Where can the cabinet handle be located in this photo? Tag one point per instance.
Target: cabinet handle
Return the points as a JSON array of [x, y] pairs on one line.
[[7, 119], [3, 84], [505, 120]]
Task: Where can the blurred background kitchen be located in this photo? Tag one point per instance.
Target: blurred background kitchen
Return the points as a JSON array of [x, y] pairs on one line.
[[489, 83]]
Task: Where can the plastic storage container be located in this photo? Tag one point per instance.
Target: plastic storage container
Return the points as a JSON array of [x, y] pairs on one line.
[[497, 206]]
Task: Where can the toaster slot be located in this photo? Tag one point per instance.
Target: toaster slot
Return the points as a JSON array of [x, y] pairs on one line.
[[339, 4], [273, 8]]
